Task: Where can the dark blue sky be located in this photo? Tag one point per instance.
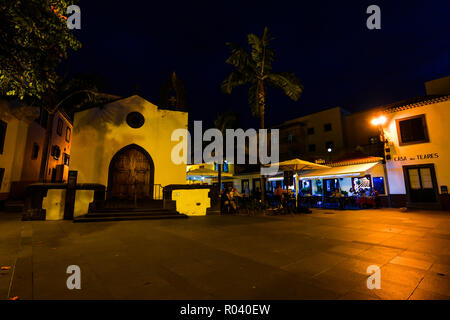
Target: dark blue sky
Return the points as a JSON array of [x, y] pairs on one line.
[[325, 43]]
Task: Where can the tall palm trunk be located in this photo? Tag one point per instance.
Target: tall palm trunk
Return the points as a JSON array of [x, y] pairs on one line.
[[46, 148], [262, 103]]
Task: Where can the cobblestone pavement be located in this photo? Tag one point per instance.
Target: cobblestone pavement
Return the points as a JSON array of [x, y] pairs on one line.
[[323, 255]]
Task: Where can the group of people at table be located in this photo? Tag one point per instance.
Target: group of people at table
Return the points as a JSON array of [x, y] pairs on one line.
[[231, 199], [362, 198]]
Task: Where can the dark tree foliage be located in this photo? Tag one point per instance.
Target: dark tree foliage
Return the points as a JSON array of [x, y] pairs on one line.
[[34, 39]]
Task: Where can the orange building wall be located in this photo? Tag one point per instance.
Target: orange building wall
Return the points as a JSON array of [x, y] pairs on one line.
[[31, 167], [59, 140]]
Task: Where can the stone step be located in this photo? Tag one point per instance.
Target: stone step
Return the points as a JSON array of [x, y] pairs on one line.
[[116, 204], [160, 212], [128, 210], [128, 216]]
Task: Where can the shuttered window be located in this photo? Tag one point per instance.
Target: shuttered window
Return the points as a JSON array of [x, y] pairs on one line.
[[412, 130]]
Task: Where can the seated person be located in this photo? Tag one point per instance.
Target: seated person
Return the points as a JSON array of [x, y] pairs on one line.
[[236, 193], [230, 202], [351, 193], [338, 196], [362, 193], [352, 196], [337, 193]]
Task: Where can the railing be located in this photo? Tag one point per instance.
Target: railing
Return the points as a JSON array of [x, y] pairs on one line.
[[157, 192]]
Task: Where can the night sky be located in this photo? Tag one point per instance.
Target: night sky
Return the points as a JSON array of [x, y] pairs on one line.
[[325, 43]]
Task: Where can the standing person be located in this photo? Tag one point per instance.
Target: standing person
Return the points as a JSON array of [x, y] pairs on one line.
[[237, 198], [223, 199], [231, 200], [351, 196], [376, 198], [278, 195]]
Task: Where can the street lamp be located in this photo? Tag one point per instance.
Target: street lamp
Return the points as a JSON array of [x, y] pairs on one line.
[[379, 122]]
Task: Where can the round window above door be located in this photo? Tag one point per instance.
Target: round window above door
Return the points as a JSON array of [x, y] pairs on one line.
[[135, 119]]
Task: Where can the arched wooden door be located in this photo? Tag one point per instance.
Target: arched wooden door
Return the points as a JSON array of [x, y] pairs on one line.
[[131, 174]]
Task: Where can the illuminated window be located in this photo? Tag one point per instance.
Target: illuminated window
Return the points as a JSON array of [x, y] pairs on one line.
[[66, 159], [361, 184], [68, 133], [378, 184], [225, 166], [412, 130]]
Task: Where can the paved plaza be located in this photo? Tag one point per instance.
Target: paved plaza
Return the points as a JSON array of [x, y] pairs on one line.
[[323, 255]]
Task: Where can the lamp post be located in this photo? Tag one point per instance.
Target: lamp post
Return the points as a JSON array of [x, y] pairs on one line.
[[379, 122]]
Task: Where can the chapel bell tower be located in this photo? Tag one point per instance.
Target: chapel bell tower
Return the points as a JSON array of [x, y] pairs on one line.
[[173, 94]]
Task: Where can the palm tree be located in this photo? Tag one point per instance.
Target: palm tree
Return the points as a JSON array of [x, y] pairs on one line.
[[255, 69], [226, 120]]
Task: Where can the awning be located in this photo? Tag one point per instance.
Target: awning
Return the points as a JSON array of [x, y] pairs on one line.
[[203, 172], [342, 171]]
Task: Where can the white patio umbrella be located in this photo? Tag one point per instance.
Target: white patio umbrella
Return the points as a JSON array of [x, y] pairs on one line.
[[298, 166]]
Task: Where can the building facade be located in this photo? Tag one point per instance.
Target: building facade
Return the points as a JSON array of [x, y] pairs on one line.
[[126, 145], [411, 143], [22, 137], [59, 149], [317, 136], [417, 152]]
